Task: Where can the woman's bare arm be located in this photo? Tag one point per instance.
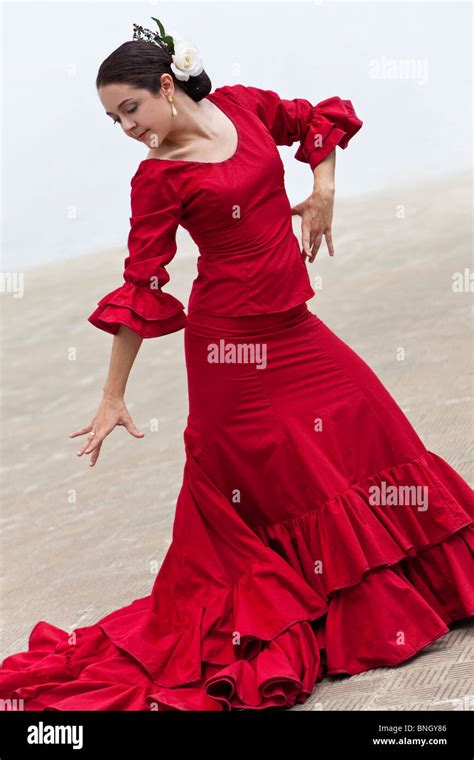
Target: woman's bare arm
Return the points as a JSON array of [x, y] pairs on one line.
[[125, 347], [112, 410], [324, 172]]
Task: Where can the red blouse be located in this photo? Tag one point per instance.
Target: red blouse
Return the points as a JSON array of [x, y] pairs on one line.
[[235, 210]]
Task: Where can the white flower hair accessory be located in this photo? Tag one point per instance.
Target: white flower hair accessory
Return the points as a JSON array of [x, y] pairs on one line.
[[185, 58]]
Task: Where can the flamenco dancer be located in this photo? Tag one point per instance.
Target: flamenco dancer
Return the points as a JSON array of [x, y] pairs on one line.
[[314, 533]]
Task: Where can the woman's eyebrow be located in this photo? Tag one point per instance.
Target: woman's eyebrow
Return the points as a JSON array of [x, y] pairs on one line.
[[119, 106]]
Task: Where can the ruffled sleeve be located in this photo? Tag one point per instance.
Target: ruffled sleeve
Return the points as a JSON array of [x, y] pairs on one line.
[[140, 303], [318, 128]]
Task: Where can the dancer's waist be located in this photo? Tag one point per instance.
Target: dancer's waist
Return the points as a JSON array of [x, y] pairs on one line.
[[249, 323]]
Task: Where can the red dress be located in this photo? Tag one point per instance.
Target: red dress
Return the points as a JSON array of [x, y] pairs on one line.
[[314, 533]]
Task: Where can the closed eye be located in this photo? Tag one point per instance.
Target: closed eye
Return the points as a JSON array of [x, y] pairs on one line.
[[132, 110]]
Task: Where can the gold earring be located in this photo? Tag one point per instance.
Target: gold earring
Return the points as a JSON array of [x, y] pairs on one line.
[[173, 109]]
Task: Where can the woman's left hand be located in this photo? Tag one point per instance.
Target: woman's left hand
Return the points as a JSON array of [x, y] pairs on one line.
[[316, 219]]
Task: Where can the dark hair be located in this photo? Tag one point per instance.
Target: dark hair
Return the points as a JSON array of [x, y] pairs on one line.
[[140, 64]]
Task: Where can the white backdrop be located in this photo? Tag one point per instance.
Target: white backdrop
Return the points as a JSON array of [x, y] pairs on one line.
[[67, 169]]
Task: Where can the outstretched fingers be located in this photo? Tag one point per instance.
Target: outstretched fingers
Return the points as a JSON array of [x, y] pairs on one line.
[[329, 243], [95, 455], [315, 246], [82, 431], [94, 440]]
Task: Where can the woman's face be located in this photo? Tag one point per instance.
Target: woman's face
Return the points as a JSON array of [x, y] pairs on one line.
[[142, 116]]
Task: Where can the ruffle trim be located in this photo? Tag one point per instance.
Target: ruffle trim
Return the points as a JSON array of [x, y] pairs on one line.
[[265, 640], [150, 313], [374, 535], [333, 122]]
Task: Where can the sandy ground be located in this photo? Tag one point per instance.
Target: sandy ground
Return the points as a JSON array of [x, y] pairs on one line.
[[79, 542]]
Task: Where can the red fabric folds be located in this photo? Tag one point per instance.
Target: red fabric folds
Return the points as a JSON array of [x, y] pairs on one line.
[[140, 303], [373, 535], [332, 122], [146, 312], [307, 574], [248, 626], [319, 128]]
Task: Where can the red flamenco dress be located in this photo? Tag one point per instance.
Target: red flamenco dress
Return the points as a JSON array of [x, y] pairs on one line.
[[314, 533]]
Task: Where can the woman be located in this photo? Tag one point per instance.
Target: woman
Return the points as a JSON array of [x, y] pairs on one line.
[[314, 533]]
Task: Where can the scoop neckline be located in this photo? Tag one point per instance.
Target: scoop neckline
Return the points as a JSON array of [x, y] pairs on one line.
[[202, 163]]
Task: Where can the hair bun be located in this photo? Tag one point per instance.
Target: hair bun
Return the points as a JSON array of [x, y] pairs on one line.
[[197, 87]]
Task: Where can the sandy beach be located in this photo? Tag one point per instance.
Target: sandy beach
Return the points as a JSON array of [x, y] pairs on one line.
[[79, 542]]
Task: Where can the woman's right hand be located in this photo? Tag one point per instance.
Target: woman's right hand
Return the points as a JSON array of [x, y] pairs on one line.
[[111, 412]]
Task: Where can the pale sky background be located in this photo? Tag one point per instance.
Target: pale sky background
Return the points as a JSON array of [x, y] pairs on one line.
[[66, 169]]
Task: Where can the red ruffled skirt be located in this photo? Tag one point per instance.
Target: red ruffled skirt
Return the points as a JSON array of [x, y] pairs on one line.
[[314, 535]]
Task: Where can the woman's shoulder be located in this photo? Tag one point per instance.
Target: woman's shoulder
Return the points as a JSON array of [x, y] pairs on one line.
[[240, 94], [157, 180], [166, 172], [250, 98]]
